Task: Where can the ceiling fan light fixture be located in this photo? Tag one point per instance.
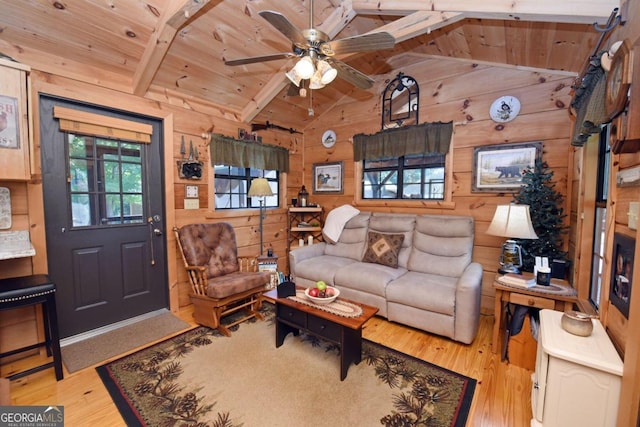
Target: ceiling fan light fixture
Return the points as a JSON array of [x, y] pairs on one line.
[[305, 68], [326, 72], [293, 76], [316, 81]]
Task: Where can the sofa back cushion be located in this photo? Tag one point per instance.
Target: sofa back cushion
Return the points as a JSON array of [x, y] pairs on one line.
[[442, 244], [353, 238], [394, 224], [210, 245]]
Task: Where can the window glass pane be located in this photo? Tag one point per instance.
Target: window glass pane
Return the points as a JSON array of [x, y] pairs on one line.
[[81, 210], [435, 190], [111, 176], [107, 143], [131, 178], [381, 185], [132, 208], [131, 153], [80, 146], [78, 175], [112, 209]]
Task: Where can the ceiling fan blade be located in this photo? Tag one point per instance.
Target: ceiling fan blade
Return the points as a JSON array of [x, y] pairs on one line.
[[285, 26], [351, 75], [361, 43], [253, 59]]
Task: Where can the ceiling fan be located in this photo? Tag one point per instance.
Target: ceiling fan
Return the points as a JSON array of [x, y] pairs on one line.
[[316, 52]]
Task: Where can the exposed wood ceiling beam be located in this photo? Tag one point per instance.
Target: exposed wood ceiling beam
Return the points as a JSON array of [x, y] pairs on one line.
[[567, 11], [419, 23], [420, 17], [331, 26], [176, 16]]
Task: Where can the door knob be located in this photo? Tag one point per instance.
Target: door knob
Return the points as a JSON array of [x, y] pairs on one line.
[[157, 232]]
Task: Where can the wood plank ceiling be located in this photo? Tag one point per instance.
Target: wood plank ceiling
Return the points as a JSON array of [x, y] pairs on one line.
[[178, 47]]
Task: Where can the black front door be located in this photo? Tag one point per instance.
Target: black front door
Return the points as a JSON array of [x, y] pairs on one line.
[[104, 209]]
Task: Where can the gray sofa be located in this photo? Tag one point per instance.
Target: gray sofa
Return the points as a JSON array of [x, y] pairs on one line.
[[435, 287]]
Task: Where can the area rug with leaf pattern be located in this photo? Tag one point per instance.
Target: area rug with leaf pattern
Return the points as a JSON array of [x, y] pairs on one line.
[[201, 378]]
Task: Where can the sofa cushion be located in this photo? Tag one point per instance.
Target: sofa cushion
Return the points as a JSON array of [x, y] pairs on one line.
[[396, 223], [428, 292], [383, 248], [352, 239], [442, 245], [335, 222], [367, 277], [322, 267]]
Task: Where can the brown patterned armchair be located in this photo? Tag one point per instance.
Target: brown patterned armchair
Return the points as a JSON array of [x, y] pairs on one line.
[[221, 282]]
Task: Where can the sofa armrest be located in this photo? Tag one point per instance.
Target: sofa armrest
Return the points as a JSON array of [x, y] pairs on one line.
[[304, 252], [468, 295]]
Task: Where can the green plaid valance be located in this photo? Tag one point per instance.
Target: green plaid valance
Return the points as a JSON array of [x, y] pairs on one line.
[[419, 139], [247, 154]]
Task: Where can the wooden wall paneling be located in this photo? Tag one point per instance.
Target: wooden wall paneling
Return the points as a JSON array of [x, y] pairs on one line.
[[629, 408], [454, 97]]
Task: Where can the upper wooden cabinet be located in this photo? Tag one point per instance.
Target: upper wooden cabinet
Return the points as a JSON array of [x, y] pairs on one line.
[[14, 122]]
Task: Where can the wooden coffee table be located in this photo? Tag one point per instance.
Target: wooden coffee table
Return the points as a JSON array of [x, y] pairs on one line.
[[292, 316]]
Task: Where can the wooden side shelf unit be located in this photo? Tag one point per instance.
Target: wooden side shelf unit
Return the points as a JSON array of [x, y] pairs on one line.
[[309, 215]]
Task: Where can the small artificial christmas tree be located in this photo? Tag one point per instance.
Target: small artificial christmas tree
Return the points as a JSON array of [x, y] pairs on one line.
[[547, 215]]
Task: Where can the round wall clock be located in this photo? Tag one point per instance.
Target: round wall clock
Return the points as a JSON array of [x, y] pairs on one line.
[[504, 109], [329, 138], [618, 82]]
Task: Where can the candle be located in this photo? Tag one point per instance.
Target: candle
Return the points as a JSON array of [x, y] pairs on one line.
[[310, 240], [301, 242]]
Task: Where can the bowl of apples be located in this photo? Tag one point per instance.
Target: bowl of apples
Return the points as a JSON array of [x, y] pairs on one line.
[[321, 293]]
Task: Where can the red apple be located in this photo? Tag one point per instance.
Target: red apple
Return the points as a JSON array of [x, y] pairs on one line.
[[313, 292]]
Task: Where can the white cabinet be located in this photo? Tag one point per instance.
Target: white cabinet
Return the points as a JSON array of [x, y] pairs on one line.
[[577, 379]]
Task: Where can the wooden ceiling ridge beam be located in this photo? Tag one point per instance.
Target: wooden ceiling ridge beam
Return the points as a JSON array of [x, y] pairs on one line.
[[419, 23], [568, 11], [560, 74], [176, 16], [331, 26]]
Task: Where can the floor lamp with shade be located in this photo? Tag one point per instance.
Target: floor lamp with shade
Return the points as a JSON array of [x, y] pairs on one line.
[[514, 222], [260, 188]]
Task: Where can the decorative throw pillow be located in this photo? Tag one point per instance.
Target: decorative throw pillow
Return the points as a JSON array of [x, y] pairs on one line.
[[383, 248]]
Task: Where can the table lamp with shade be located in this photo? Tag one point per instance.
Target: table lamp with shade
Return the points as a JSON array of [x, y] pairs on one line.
[[514, 222], [260, 188]]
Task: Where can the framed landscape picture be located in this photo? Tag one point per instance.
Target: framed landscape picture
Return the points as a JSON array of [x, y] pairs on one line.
[[498, 168], [328, 178]]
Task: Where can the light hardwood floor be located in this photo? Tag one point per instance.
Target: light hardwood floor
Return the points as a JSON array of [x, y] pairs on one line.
[[502, 396]]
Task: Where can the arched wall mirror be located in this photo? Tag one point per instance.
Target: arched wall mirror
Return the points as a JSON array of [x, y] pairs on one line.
[[400, 102]]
